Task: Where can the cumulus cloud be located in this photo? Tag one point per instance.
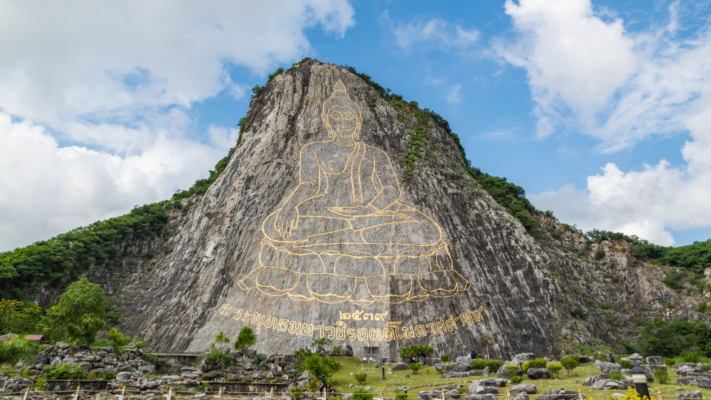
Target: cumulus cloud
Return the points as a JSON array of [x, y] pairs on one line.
[[434, 32], [593, 76], [116, 80]]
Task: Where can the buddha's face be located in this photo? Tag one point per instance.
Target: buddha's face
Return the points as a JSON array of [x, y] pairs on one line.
[[342, 121]]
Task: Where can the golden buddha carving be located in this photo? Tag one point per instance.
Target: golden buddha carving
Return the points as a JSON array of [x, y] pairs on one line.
[[343, 234]]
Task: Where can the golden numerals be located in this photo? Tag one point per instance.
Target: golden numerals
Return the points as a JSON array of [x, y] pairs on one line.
[[392, 331]]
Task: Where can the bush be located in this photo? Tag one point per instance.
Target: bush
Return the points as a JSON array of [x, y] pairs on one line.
[[555, 369], [661, 376], [17, 350], [626, 364], [415, 367], [400, 395], [691, 357], [64, 372], [247, 379], [415, 350], [599, 254], [512, 370], [362, 394], [442, 371], [538, 363], [336, 350], [570, 363], [705, 367], [526, 366], [259, 358], [40, 384], [149, 358], [516, 380], [479, 364], [494, 365], [669, 362], [296, 393], [616, 375], [361, 377], [245, 338], [444, 358]]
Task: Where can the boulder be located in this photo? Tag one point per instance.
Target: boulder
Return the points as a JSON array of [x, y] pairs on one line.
[[210, 376], [683, 371], [104, 395], [539, 373], [452, 393], [592, 379], [558, 394], [459, 367], [451, 375], [190, 382], [401, 366], [122, 376], [502, 374], [655, 360], [605, 367], [480, 397], [440, 367], [62, 346], [652, 368], [56, 361], [522, 396], [17, 384], [608, 384], [524, 388], [147, 368], [486, 390], [429, 395], [69, 360], [696, 394], [479, 372]]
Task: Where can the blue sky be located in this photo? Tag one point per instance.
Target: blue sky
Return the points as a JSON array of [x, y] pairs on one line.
[[599, 110]]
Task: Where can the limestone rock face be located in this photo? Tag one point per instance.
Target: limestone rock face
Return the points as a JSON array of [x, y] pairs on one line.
[[348, 216]]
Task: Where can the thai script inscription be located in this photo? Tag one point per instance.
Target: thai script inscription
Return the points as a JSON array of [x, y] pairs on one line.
[[394, 330]]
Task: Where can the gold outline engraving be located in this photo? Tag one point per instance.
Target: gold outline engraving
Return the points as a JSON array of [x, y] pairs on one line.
[[337, 248]]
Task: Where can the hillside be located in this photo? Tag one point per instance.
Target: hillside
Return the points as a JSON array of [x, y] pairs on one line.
[[533, 283]]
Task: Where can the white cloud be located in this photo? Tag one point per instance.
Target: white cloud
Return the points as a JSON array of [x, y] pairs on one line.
[[435, 32], [117, 80], [454, 95], [589, 75]]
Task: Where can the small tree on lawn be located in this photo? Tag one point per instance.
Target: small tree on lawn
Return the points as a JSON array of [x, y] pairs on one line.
[[569, 363]]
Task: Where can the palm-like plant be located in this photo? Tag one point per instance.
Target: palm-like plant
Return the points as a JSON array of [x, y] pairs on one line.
[[487, 339]]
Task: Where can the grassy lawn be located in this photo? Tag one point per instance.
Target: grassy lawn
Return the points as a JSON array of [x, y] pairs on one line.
[[427, 381]]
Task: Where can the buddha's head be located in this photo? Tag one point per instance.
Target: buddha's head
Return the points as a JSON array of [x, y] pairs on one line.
[[341, 115]]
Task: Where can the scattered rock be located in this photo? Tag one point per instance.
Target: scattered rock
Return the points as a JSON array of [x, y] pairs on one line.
[[592, 379], [696, 394], [607, 367], [539, 373], [524, 388], [608, 384], [655, 360], [401, 366], [522, 396]]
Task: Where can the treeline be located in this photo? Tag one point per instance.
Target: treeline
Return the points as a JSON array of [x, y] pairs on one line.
[[671, 339], [696, 256], [62, 259]]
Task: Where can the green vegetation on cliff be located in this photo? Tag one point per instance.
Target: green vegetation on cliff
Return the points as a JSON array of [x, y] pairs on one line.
[[62, 259]]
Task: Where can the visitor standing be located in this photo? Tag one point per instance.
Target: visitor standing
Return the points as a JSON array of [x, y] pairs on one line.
[[324, 384]]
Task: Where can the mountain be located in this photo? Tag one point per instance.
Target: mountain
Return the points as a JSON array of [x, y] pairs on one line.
[[346, 212]]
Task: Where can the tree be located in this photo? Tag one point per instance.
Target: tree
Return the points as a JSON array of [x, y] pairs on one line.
[[487, 339], [415, 350], [118, 340], [85, 331], [569, 363], [222, 342], [82, 297], [245, 338], [318, 365]]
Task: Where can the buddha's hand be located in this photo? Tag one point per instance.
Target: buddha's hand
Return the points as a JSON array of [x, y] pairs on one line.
[[287, 222], [357, 211]]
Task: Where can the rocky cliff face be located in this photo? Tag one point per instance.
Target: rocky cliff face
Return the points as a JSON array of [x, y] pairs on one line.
[[369, 231]]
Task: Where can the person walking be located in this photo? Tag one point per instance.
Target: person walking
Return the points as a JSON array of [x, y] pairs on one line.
[[422, 357], [324, 384]]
